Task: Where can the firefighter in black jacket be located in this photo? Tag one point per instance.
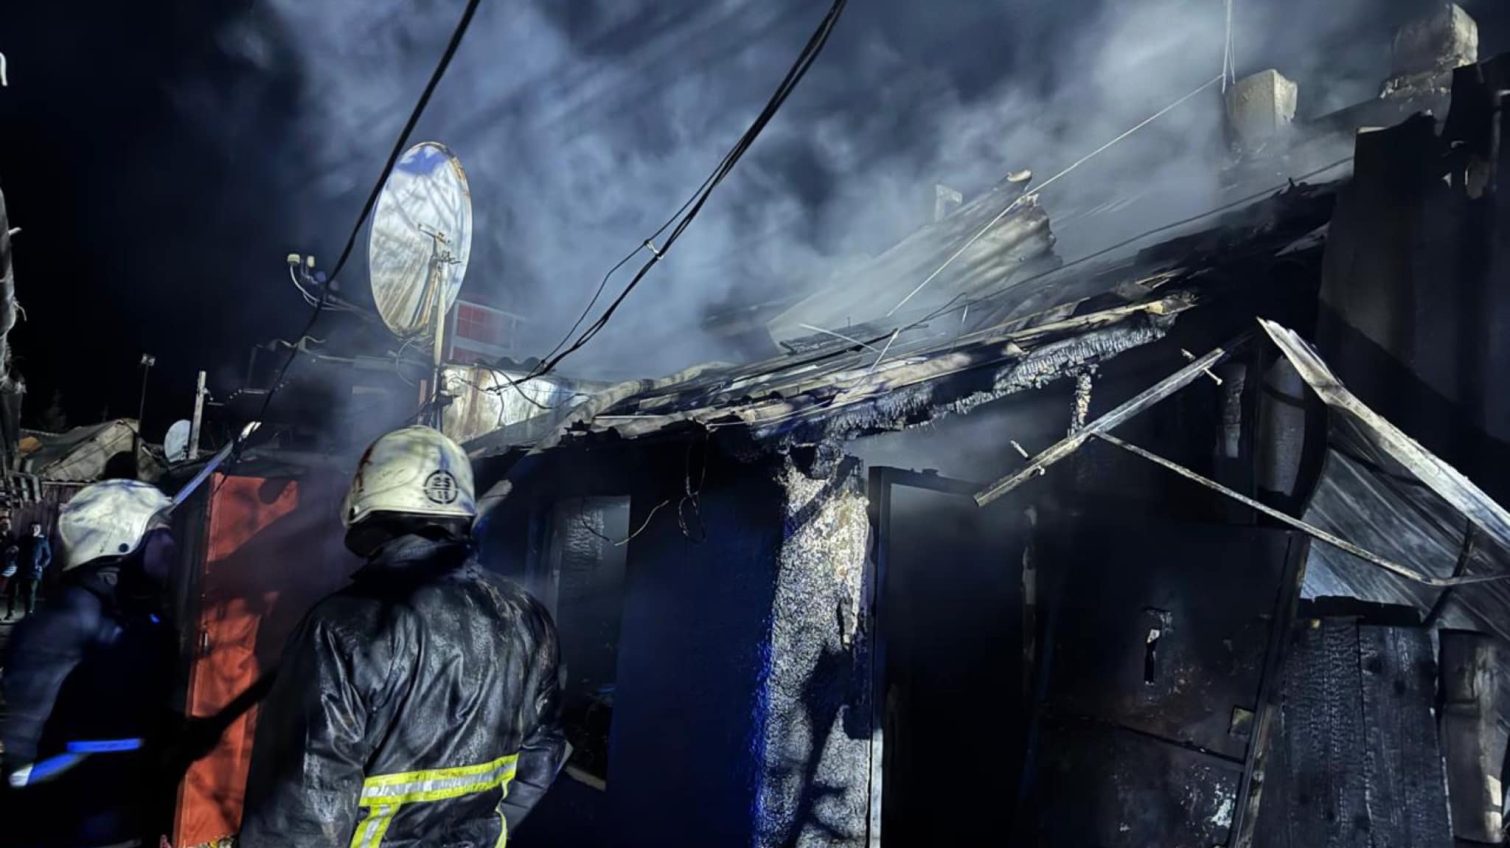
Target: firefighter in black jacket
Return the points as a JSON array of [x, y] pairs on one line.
[[87, 683], [417, 706]]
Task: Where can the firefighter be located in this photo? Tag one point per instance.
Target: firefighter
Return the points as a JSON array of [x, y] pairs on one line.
[[417, 706], [88, 679]]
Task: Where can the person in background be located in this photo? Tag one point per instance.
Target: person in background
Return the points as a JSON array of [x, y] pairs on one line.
[[88, 678], [419, 705], [10, 553], [34, 558]]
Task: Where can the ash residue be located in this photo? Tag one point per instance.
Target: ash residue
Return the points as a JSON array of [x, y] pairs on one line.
[[817, 746]]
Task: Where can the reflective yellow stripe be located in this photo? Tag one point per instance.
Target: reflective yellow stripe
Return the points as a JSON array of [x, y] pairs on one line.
[[438, 774], [383, 794], [371, 830]]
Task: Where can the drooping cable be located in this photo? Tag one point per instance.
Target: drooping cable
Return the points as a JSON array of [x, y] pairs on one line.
[[678, 223]]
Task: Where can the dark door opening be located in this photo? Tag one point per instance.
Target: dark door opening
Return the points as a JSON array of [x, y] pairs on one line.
[[584, 585], [949, 662]]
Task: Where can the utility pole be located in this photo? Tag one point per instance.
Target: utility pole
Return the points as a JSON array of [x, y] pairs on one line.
[[148, 360], [199, 395]]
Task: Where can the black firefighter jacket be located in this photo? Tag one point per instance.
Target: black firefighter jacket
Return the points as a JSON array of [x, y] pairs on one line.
[[92, 665], [417, 706]]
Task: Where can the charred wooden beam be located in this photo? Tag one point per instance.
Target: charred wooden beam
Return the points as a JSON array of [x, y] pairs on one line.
[[1142, 402]]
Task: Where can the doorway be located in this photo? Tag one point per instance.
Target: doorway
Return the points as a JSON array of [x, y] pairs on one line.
[[948, 677]]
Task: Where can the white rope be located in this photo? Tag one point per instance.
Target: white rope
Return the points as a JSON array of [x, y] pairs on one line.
[[1046, 183], [1229, 61], [894, 334]]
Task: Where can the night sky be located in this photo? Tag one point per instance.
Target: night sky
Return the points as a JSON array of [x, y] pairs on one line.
[[162, 158]]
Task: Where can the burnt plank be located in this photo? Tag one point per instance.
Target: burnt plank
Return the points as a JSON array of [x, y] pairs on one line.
[[1407, 789], [1314, 791], [1473, 742]]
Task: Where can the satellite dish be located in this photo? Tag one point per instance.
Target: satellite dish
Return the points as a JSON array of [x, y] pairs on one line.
[[420, 240], [176, 443]]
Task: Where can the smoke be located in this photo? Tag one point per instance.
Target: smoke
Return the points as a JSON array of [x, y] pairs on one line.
[[583, 125]]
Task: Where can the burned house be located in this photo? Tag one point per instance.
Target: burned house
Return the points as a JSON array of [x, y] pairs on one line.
[[1202, 605], [1195, 542], [763, 588]]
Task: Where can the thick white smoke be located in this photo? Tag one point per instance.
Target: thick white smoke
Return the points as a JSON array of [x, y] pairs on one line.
[[584, 124]]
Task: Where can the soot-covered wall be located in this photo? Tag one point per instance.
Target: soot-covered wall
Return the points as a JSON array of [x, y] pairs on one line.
[[740, 711]]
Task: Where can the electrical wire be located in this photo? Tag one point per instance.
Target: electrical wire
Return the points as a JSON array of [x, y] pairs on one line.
[[333, 302], [678, 223], [691, 497], [372, 198]]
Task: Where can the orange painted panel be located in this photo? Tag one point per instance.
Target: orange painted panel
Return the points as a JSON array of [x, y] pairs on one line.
[[274, 548]]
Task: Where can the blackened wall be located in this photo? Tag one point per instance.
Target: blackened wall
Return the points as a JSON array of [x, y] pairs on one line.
[[683, 767], [685, 760]]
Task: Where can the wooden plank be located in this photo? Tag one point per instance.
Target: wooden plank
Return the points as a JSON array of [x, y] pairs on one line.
[[1473, 743], [1407, 792], [1137, 405], [1264, 757], [1316, 798]]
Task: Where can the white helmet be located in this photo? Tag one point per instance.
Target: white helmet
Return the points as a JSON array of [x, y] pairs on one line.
[[108, 519], [413, 471]]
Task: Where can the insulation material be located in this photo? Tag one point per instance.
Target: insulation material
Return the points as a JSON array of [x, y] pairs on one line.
[[815, 788], [484, 400]]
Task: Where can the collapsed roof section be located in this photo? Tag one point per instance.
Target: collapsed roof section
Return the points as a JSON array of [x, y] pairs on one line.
[[979, 248], [88, 454], [1043, 328]]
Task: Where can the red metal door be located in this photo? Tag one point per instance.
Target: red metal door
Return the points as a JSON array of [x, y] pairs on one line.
[[273, 548]]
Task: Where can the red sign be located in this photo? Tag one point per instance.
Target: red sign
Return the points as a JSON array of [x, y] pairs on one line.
[[481, 333]]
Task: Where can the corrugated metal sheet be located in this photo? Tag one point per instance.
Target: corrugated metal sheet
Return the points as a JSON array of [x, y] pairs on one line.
[[81, 454], [969, 352], [1367, 431], [1381, 490], [1001, 250]]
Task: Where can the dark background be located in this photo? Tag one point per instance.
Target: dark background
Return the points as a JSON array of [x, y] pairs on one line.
[[160, 176]]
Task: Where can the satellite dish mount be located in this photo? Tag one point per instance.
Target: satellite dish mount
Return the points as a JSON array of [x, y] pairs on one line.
[[434, 301], [418, 249]]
